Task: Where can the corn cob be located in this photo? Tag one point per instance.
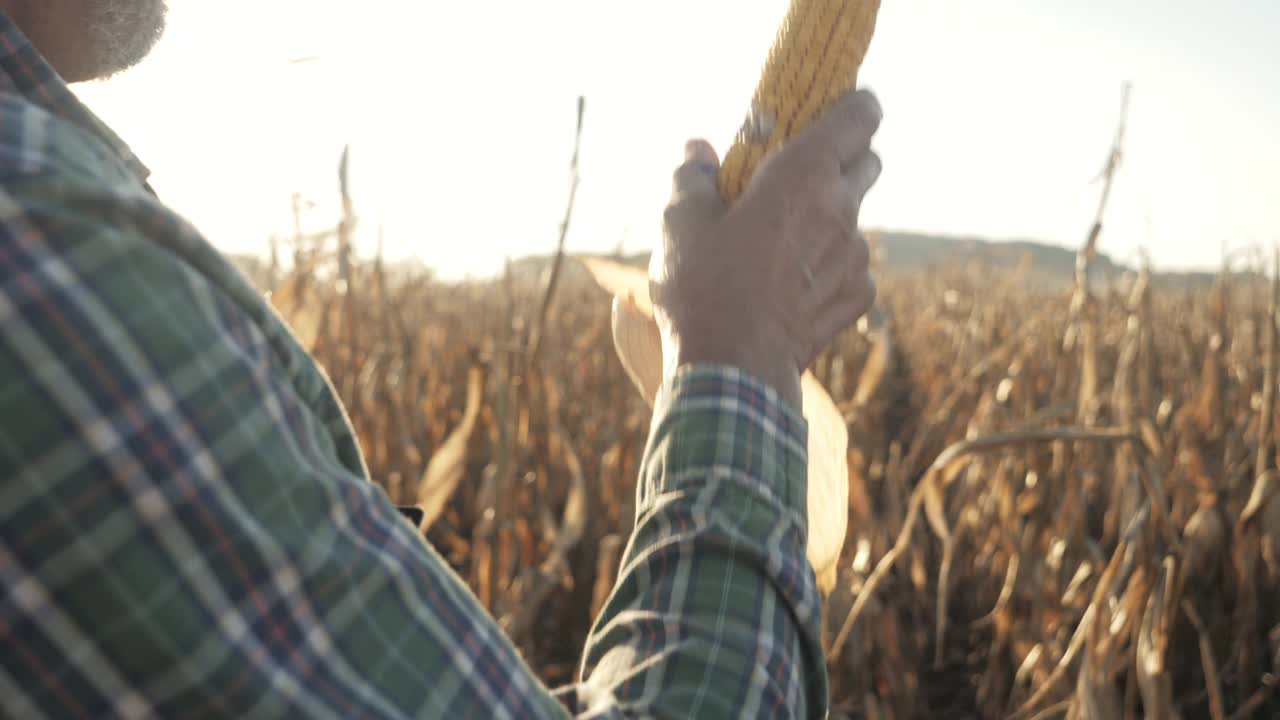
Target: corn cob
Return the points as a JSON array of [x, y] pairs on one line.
[[814, 61]]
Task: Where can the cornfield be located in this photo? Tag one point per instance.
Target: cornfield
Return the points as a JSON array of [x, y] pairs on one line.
[[1063, 501]]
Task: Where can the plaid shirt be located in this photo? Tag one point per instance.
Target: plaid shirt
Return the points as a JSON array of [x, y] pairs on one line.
[[187, 527]]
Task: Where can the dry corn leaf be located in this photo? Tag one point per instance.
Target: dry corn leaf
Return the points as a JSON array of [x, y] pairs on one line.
[[1265, 487], [828, 500], [573, 522], [637, 342], [621, 280], [446, 468]]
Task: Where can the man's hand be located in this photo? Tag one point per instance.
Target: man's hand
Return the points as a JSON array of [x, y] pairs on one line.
[[767, 284]]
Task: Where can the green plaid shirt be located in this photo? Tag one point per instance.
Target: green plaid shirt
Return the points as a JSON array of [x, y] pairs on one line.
[[187, 528]]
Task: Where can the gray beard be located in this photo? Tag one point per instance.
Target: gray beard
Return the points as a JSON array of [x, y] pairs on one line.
[[120, 33]]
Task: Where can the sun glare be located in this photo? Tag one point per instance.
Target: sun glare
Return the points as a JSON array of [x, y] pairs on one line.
[[997, 120]]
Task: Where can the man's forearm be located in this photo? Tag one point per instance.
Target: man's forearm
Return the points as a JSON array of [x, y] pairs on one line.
[[716, 612]]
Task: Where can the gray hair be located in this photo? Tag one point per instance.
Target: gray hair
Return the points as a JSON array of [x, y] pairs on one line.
[[120, 33]]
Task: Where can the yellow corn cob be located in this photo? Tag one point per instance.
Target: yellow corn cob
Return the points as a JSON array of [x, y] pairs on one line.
[[814, 61]]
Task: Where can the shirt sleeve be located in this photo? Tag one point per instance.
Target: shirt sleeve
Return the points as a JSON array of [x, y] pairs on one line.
[[187, 528], [716, 611]]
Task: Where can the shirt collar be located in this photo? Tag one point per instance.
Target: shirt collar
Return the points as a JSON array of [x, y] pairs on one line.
[[25, 72]]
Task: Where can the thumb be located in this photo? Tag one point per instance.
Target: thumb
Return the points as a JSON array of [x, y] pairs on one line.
[[696, 183], [844, 131]]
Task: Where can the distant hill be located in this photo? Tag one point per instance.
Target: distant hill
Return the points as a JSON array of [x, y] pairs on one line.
[[916, 252], [906, 252]]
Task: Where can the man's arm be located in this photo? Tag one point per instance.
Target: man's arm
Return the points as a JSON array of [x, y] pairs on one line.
[[716, 612]]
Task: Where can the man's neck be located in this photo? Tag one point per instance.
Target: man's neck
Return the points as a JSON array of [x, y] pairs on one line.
[[50, 26]]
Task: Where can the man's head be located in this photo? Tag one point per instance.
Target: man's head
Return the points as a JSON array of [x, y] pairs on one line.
[[89, 39]]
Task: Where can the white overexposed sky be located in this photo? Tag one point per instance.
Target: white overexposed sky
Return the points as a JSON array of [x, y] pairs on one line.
[[998, 116]]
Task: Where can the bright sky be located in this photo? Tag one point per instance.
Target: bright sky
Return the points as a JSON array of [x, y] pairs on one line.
[[998, 116]]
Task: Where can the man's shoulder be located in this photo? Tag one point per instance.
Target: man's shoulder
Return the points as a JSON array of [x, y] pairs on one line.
[[35, 142]]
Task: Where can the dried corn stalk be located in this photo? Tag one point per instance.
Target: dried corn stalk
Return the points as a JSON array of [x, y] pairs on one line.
[[1048, 587], [1055, 600], [1154, 679], [298, 306]]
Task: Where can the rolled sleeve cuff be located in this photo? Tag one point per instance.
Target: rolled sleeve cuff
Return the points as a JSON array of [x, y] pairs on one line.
[[714, 420]]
